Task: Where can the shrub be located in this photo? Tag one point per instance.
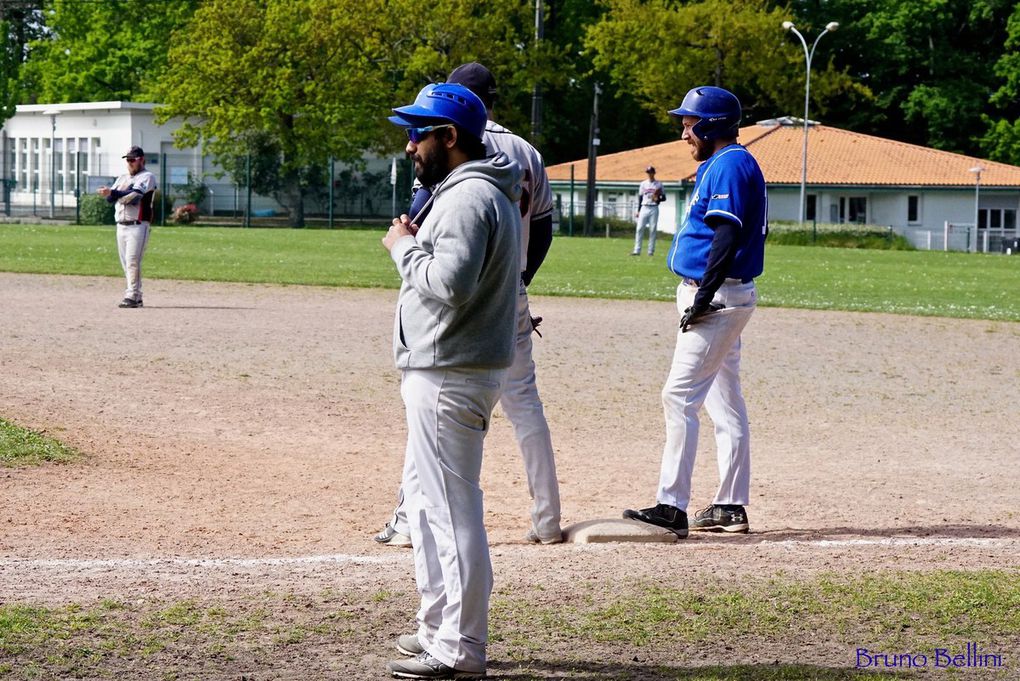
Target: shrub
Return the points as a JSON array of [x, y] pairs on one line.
[[185, 215], [95, 210], [838, 236], [193, 191]]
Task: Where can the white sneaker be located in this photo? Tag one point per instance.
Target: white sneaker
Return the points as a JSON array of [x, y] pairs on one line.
[[390, 537]]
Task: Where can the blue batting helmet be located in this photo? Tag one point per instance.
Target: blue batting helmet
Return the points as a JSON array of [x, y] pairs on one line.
[[446, 102], [718, 109]]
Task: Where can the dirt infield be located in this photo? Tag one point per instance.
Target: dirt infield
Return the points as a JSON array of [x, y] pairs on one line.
[[244, 438]]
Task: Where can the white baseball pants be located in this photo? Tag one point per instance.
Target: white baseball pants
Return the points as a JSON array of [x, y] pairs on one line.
[[523, 407], [648, 218], [706, 370], [448, 414], [131, 243]]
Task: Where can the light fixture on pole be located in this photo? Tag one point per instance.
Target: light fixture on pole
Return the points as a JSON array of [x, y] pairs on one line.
[[52, 113], [808, 55], [977, 196]]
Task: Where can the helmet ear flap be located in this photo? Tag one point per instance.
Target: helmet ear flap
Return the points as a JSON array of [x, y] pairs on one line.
[[718, 109]]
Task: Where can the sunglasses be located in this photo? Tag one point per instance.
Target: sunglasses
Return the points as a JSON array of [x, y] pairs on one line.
[[418, 134]]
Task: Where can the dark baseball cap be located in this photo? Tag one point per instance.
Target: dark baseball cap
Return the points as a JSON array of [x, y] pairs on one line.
[[133, 152], [476, 78], [650, 169]]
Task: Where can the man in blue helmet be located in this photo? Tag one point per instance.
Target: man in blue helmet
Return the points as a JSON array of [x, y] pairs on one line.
[[520, 400], [453, 339], [717, 253]]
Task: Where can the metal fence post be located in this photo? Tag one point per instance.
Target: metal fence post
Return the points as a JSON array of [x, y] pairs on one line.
[[247, 182], [331, 192]]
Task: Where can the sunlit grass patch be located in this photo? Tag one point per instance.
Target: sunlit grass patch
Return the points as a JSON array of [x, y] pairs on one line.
[[23, 447]]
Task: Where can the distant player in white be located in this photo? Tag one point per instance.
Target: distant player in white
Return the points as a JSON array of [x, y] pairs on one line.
[[132, 195], [520, 399], [650, 195]]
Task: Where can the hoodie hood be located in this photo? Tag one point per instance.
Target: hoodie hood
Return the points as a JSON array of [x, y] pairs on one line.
[[499, 170]]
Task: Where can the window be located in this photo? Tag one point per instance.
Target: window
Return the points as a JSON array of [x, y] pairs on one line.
[[853, 209], [811, 207], [913, 208], [58, 161], [23, 163], [997, 218], [35, 164]]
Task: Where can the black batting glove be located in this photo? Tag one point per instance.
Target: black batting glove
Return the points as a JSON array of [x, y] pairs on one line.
[[535, 321], [696, 313]]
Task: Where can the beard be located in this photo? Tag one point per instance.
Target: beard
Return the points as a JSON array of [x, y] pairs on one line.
[[432, 168], [700, 150]]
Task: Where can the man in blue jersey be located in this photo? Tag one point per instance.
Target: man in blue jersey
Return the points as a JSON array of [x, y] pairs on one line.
[[717, 253]]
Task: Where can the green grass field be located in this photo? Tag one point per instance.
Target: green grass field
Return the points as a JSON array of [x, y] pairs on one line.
[[932, 283]]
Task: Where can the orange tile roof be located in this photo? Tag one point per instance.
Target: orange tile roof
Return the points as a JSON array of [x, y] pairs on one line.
[[835, 157]]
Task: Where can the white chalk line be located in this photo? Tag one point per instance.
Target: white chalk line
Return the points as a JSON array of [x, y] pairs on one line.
[[402, 557], [894, 541], [238, 563]]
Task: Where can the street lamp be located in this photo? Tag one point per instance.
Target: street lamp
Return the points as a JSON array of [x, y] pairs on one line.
[[977, 196], [829, 27], [52, 113]]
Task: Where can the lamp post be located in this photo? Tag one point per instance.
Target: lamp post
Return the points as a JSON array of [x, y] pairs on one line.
[[808, 55], [977, 196], [52, 113]]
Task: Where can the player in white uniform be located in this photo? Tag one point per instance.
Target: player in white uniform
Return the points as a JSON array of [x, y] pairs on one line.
[[453, 339], [520, 399], [650, 195], [132, 195]]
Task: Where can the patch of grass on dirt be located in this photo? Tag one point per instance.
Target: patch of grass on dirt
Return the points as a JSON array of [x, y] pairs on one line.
[[168, 639], [802, 629], [23, 447], [898, 612]]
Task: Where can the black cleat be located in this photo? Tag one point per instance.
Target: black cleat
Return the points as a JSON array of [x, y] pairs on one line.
[[721, 518], [128, 302], [661, 515]]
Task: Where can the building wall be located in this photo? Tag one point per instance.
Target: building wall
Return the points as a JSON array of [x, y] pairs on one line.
[[102, 132]]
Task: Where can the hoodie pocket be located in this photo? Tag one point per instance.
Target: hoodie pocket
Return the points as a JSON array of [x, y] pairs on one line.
[[400, 328]]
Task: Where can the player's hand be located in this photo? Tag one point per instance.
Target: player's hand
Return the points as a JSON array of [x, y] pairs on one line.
[[400, 228], [696, 313], [103, 191]]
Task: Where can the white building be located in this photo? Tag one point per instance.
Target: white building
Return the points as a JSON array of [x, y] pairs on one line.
[[47, 151]]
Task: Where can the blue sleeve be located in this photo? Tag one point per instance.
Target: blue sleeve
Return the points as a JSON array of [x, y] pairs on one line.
[[727, 200]]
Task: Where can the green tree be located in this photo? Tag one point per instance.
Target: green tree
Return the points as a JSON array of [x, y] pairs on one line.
[[656, 49], [20, 22], [102, 51], [928, 63], [1002, 139], [426, 45], [291, 82]]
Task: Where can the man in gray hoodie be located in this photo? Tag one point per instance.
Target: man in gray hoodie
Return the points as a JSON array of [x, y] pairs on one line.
[[453, 338]]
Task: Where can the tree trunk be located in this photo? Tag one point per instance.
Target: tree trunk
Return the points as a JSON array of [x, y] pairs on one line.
[[293, 200]]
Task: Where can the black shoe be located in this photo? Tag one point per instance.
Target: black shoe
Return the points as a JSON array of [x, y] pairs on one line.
[[128, 302], [662, 515], [721, 518]]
